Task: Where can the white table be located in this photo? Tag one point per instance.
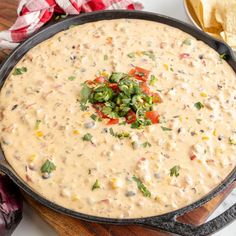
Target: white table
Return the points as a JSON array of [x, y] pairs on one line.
[[33, 225]]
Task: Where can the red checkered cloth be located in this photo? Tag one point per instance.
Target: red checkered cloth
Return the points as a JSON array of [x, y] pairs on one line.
[[34, 14]]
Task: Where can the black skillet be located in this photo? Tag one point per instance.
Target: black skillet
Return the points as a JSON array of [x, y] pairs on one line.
[[165, 222]]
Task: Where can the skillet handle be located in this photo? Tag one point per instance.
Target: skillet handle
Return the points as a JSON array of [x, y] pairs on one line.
[[179, 228]]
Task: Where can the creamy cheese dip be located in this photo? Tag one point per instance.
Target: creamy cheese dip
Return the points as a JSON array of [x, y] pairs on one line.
[[178, 161]]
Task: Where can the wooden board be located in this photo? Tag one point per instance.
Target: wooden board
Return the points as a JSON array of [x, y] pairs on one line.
[[66, 225]]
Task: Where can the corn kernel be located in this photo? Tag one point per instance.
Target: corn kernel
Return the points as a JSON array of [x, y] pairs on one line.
[[180, 118], [115, 183], [203, 94], [156, 166], [39, 134], [205, 138], [104, 74], [75, 197], [218, 151], [157, 199], [138, 53], [109, 40], [76, 132], [166, 66], [214, 132], [86, 114], [32, 158]]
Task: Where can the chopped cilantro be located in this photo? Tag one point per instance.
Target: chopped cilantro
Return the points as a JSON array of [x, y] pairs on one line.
[[37, 123], [146, 144], [187, 42], [48, 167], [112, 132], [84, 93], [93, 117], [165, 128], [142, 187], [149, 54], [87, 137], [140, 123], [20, 71], [152, 80], [71, 78], [174, 171], [232, 141], [120, 135], [198, 105], [101, 94], [199, 121], [120, 96], [223, 56], [107, 110], [117, 76], [131, 55], [122, 123], [95, 185]]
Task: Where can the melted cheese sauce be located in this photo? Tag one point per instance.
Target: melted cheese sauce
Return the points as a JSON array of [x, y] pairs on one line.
[[200, 141]]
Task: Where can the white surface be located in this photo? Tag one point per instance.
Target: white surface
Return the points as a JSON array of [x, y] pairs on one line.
[[32, 225]]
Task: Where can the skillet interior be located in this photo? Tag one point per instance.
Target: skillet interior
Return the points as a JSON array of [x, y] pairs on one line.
[[49, 31]]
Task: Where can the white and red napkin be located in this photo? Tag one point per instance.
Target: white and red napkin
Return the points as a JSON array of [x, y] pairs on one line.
[[34, 14]]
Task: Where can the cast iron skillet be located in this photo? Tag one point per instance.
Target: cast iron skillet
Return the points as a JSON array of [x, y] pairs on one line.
[[166, 222]]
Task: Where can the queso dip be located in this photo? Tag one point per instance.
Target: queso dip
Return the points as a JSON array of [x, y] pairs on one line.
[[120, 118]]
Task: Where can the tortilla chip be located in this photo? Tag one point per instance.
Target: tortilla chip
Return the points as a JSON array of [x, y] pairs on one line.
[[218, 36], [230, 39], [205, 9], [193, 13], [222, 34], [230, 19], [195, 4], [216, 17]]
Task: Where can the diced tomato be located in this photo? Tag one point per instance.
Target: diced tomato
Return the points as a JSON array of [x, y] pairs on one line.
[[113, 122], [140, 160], [89, 82], [114, 86], [153, 116], [192, 157], [130, 117], [184, 55], [144, 87], [98, 107], [28, 179], [156, 98], [107, 201], [100, 80], [109, 40], [139, 73]]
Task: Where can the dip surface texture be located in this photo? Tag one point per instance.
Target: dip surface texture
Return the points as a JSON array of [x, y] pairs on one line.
[[72, 157]]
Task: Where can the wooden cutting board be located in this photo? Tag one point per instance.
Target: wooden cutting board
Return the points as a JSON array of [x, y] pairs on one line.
[[66, 225]]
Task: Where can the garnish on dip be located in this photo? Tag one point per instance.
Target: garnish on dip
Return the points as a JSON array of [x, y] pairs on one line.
[[122, 96]]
